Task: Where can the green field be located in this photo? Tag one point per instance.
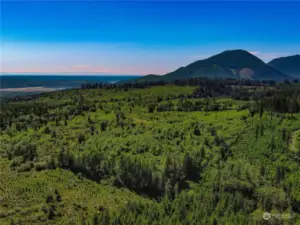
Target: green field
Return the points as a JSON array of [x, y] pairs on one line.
[[141, 156]]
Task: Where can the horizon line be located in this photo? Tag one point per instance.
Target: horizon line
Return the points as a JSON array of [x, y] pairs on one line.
[[66, 74]]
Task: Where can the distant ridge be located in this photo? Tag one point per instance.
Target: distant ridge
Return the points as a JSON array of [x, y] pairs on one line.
[[238, 64], [289, 65]]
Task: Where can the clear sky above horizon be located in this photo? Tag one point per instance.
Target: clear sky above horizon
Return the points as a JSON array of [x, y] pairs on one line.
[[140, 37]]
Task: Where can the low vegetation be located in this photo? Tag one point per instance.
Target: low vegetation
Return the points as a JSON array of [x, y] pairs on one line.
[[195, 151]]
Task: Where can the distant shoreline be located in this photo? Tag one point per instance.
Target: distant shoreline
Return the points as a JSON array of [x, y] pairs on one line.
[[28, 84], [28, 89]]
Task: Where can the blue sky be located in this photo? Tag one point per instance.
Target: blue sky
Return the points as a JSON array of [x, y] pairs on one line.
[[140, 37]]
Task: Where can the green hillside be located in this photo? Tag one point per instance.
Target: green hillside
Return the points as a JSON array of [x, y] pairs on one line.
[[289, 65], [158, 155], [236, 64]]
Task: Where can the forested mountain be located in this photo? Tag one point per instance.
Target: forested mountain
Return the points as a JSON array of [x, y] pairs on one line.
[[237, 64], [289, 65]]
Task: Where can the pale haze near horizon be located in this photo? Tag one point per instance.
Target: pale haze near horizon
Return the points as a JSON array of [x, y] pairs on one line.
[[139, 38]]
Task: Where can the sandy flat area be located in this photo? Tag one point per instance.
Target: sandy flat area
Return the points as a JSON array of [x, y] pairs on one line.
[[28, 89]]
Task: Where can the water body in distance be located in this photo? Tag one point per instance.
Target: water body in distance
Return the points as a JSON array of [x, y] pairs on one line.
[[20, 85], [56, 82]]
